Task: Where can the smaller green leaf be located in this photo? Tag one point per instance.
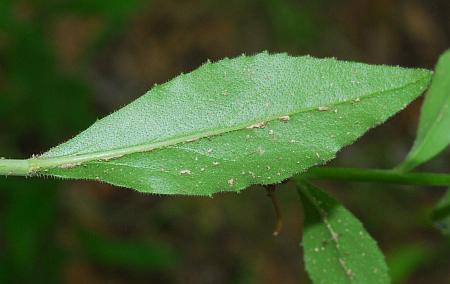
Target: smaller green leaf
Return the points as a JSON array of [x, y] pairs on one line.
[[337, 248], [441, 215], [433, 134]]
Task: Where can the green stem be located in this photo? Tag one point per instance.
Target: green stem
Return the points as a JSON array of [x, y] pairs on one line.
[[34, 165], [378, 176], [14, 167]]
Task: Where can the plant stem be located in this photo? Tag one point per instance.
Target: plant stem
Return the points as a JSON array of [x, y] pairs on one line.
[[378, 176], [14, 167], [276, 206], [31, 166]]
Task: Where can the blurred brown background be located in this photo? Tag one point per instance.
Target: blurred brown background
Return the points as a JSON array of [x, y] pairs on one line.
[[63, 64]]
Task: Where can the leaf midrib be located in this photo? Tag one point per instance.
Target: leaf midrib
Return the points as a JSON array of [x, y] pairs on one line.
[[67, 161]]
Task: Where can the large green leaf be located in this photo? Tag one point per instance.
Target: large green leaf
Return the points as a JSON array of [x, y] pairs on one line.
[[249, 120], [433, 134], [337, 248]]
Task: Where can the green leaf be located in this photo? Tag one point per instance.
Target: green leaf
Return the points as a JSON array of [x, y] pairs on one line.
[[433, 134], [227, 125], [337, 248], [441, 214]]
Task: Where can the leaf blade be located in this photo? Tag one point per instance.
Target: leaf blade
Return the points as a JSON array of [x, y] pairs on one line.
[[332, 235], [432, 134], [237, 122]]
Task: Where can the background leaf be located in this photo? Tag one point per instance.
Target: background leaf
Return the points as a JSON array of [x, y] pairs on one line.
[[237, 122], [29, 247], [441, 214], [337, 248], [433, 134], [136, 255], [407, 259]]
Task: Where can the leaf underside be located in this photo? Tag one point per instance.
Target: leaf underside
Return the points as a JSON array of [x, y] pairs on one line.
[[237, 122], [337, 248]]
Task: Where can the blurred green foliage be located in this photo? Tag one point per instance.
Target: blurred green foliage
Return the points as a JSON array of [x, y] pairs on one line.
[[441, 214], [405, 259], [30, 253], [134, 255], [40, 104]]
